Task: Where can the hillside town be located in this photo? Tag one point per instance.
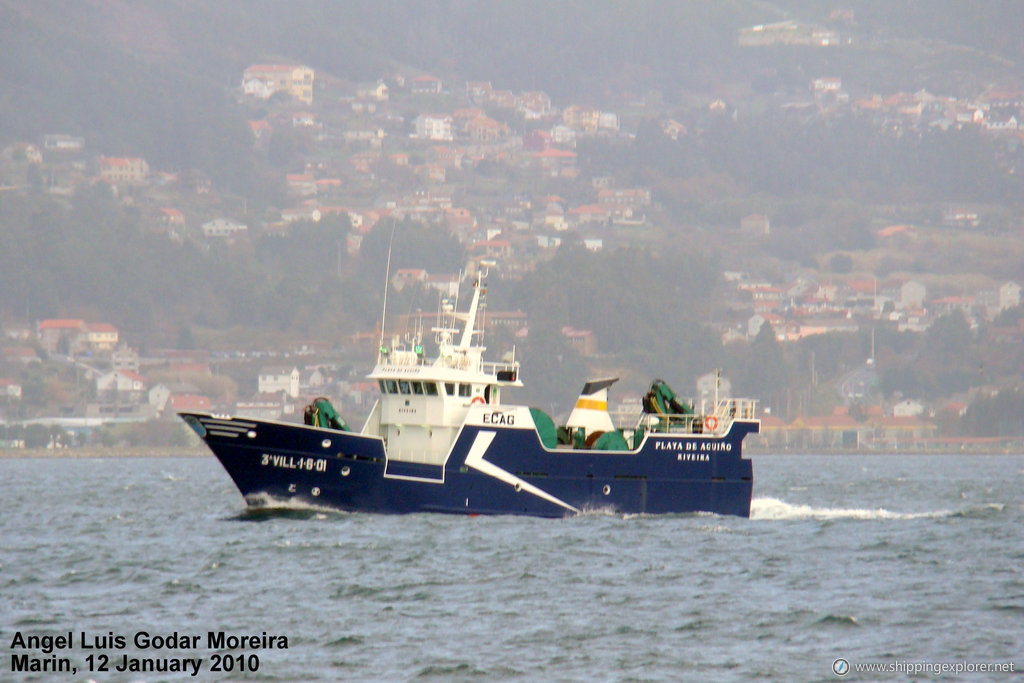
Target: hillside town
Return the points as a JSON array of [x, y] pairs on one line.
[[366, 159]]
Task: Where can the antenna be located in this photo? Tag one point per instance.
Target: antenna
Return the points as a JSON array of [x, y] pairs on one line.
[[387, 281]]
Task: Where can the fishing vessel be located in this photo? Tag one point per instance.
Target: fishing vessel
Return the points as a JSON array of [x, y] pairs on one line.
[[440, 439]]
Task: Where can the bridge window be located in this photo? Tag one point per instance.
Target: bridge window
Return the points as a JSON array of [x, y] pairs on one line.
[[383, 389], [449, 388], [417, 388], [431, 388], [465, 390], [403, 386], [392, 386]]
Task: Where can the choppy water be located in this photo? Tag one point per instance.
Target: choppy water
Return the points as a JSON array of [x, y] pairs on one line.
[[867, 558]]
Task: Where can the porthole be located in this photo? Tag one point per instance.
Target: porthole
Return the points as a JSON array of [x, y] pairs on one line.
[[607, 489], [345, 471]]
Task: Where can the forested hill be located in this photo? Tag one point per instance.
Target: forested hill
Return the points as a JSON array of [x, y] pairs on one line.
[[153, 76]]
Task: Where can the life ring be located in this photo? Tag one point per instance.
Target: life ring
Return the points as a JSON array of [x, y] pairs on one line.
[[711, 423], [477, 399]]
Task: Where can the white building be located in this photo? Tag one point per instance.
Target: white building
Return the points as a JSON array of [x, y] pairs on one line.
[[706, 385], [10, 389], [1009, 296], [912, 294], [434, 127], [607, 120], [563, 135], [222, 227], [123, 383], [907, 408], [263, 80], [158, 396], [276, 379]]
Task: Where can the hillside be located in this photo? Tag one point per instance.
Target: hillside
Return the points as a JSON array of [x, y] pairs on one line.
[[153, 75], [691, 184]]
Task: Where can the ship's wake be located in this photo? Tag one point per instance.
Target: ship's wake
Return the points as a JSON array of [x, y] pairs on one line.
[[262, 507], [775, 509]]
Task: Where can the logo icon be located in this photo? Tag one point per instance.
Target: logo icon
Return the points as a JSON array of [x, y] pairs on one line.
[[840, 667]]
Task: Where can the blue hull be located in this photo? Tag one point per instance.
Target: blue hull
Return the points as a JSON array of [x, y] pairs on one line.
[[489, 470]]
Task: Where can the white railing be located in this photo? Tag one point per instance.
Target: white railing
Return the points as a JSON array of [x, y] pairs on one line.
[[736, 409], [495, 368], [676, 423], [717, 421]]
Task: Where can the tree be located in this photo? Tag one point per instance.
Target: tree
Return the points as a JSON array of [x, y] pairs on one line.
[[765, 372], [553, 370], [415, 245], [949, 337], [998, 415], [840, 263], [185, 339]]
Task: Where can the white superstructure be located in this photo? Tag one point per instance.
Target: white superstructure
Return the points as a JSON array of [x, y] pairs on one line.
[[424, 403]]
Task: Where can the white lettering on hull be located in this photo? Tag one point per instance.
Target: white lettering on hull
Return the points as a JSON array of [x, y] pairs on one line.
[[694, 446], [290, 462]]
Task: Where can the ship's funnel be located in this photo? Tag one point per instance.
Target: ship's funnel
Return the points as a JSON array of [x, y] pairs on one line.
[[591, 411]]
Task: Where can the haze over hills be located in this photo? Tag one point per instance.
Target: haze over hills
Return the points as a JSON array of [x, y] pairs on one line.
[[131, 75], [863, 140]]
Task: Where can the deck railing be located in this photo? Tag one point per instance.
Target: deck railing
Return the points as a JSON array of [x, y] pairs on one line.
[[736, 409], [716, 421]]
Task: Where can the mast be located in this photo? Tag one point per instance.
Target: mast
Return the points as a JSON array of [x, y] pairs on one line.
[[718, 384], [467, 333], [478, 288], [387, 281]]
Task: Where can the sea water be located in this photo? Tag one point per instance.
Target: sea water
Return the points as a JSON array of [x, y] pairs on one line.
[[846, 562]]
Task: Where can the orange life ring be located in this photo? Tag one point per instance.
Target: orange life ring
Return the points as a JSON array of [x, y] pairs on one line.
[[711, 423], [477, 399]]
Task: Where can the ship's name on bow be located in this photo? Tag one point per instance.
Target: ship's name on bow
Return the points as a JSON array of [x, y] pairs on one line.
[[290, 462]]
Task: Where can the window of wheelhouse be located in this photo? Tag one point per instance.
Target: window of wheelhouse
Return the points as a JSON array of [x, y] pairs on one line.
[[449, 388], [431, 388], [403, 386], [417, 388], [465, 390], [392, 386]]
